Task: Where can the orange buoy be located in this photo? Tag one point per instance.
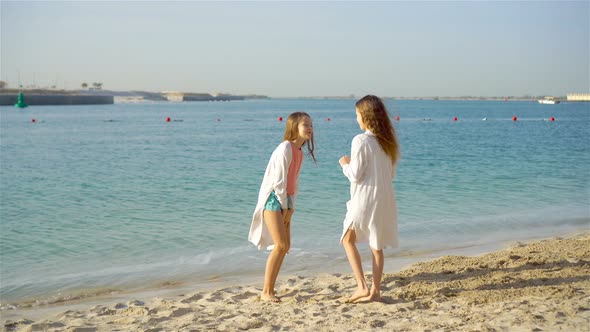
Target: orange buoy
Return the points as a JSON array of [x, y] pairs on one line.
[[552, 119], [397, 118], [280, 118], [168, 119], [327, 119], [514, 118], [454, 118], [33, 120], [218, 119]]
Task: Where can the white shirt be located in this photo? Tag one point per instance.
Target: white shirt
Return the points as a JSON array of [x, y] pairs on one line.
[[372, 209], [275, 179]]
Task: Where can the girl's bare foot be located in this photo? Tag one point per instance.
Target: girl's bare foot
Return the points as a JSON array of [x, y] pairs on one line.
[[359, 293], [373, 297], [269, 298]]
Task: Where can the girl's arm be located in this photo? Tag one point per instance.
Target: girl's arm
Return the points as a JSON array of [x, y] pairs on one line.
[[355, 169], [294, 197]]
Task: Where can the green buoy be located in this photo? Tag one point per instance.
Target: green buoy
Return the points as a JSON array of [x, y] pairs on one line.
[[20, 103]]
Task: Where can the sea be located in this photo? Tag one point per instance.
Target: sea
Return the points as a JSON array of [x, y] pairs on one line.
[[107, 199]]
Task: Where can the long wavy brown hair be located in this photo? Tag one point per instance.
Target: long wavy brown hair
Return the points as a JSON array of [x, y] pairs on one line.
[[376, 119], [292, 131]]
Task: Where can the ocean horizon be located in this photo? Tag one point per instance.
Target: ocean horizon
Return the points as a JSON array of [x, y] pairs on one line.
[[102, 198]]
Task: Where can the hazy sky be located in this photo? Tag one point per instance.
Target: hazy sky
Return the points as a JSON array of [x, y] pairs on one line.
[[288, 49]]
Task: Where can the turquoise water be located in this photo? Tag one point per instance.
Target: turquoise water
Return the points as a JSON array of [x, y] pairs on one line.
[[114, 197]]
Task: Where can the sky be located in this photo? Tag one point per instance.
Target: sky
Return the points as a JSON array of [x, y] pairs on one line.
[[296, 49]]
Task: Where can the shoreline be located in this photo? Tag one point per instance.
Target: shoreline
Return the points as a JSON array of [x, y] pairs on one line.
[[395, 261], [404, 287]]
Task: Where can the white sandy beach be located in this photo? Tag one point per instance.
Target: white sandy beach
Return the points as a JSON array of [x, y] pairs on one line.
[[540, 286]]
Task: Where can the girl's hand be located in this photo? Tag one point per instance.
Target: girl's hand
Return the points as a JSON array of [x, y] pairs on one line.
[[287, 217], [345, 160]]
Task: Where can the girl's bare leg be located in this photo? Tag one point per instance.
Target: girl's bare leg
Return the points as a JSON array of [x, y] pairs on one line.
[[354, 258], [276, 227], [287, 222], [375, 294]]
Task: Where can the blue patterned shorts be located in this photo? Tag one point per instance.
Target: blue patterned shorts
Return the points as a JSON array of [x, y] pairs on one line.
[[272, 203]]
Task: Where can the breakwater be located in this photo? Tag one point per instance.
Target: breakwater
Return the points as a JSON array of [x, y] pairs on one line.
[[56, 99]]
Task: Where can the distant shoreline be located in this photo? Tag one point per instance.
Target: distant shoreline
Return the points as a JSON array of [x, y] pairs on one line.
[[8, 97], [427, 98], [93, 96]]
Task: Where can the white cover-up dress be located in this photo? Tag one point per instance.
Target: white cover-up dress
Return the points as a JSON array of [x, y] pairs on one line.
[[275, 178], [372, 209]]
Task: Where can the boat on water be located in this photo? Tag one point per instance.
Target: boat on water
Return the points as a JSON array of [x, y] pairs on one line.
[[548, 100]]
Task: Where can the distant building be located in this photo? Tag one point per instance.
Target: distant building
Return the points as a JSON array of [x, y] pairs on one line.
[[173, 95], [578, 97]]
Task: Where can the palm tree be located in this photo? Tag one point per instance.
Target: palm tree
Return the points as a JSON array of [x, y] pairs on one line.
[[84, 85]]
